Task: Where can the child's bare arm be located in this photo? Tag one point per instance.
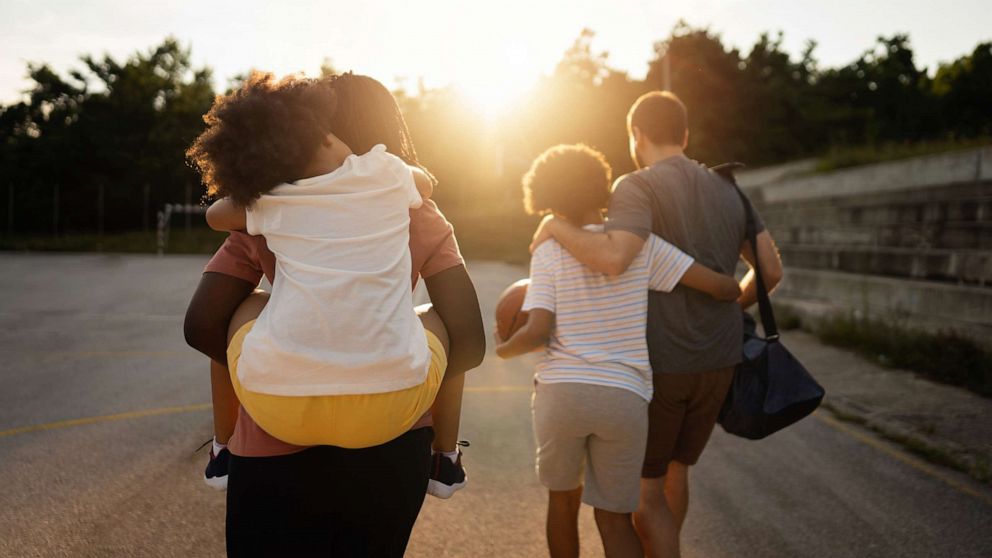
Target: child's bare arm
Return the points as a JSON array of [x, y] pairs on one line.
[[534, 334], [224, 215], [424, 182], [717, 285]]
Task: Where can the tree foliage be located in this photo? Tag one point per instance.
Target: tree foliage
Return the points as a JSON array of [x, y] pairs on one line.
[[121, 127]]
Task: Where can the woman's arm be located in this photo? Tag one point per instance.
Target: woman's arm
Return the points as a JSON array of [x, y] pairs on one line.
[[534, 334], [453, 296], [224, 215], [717, 285], [210, 310]]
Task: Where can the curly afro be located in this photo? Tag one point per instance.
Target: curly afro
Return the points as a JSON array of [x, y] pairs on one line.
[[570, 180], [262, 135]]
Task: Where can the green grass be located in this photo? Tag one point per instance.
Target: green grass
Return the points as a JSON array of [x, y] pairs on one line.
[[945, 357], [844, 157], [197, 241]]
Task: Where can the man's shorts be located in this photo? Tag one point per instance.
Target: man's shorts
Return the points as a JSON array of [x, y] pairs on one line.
[[346, 421], [681, 417], [600, 429]]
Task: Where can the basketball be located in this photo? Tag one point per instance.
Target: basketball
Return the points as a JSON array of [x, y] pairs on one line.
[[509, 318]]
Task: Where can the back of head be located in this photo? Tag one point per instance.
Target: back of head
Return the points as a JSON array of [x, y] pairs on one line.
[[661, 116], [263, 134], [569, 180], [367, 114]]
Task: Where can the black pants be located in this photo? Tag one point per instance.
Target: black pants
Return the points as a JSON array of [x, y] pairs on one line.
[[328, 501]]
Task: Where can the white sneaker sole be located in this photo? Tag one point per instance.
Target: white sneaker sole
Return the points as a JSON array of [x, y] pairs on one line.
[[217, 483], [444, 491]]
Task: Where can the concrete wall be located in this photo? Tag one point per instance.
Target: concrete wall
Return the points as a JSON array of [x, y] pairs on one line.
[[907, 240]]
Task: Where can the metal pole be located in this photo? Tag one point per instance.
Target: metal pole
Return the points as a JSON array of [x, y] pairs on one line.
[[10, 209], [55, 211], [189, 218], [144, 208], [99, 210]]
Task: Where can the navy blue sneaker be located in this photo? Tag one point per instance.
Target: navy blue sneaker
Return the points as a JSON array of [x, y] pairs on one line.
[[215, 474], [447, 477]]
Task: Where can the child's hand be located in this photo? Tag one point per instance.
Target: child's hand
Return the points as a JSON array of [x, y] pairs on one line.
[[424, 182], [542, 233]]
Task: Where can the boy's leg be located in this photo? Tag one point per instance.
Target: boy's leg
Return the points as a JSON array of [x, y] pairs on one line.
[[616, 456], [563, 522], [618, 534]]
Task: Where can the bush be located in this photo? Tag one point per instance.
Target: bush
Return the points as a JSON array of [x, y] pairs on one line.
[[945, 357]]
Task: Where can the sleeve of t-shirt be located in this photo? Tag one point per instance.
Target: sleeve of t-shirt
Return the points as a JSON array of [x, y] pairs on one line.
[[541, 292], [667, 264], [402, 172], [236, 258], [431, 231], [630, 208], [253, 221], [759, 223]]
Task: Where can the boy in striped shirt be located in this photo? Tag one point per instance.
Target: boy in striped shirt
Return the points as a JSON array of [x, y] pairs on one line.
[[593, 385]]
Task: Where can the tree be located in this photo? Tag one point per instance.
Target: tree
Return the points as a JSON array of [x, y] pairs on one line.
[[109, 130], [964, 90]]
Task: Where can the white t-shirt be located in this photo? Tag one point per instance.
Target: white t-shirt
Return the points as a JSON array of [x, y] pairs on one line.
[[340, 319], [600, 321]]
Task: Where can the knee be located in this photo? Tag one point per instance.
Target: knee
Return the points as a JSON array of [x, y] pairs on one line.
[[612, 520], [652, 499], [249, 309], [432, 323]]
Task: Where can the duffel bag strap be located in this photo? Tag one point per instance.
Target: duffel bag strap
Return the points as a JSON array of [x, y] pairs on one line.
[[751, 230]]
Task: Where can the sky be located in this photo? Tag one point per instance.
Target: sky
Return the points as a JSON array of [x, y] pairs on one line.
[[497, 46]]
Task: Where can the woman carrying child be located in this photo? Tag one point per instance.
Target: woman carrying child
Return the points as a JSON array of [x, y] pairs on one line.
[[338, 357]]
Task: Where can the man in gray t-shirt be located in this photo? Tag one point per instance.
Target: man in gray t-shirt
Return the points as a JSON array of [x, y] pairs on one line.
[[694, 341], [701, 213]]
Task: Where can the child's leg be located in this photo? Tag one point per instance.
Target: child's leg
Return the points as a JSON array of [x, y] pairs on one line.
[[563, 522], [225, 402], [248, 311], [618, 534], [447, 408]]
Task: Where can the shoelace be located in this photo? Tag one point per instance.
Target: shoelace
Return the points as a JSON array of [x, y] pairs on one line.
[[203, 445]]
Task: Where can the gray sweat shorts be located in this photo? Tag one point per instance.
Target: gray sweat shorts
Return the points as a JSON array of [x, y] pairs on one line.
[[597, 431]]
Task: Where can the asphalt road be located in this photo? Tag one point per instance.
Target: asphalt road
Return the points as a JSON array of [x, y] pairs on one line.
[[102, 405]]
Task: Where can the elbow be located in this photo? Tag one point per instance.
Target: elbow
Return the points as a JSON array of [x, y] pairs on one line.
[[773, 277], [193, 331], [732, 291], [475, 350], [614, 265], [468, 348], [198, 331]]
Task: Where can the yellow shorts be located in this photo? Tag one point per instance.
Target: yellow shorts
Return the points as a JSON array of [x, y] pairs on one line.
[[347, 421]]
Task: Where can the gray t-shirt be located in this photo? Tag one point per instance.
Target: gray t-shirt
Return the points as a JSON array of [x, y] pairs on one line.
[[701, 213]]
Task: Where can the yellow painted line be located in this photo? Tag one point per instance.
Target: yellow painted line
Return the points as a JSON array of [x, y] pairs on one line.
[[499, 389], [105, 418], [913, 462], [192, 408], [126, 354]]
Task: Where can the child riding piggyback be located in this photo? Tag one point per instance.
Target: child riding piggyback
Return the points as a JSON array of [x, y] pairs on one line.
[[338, 356]]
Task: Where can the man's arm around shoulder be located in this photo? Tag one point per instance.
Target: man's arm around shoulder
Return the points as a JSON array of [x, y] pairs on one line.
[[608, 252]]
